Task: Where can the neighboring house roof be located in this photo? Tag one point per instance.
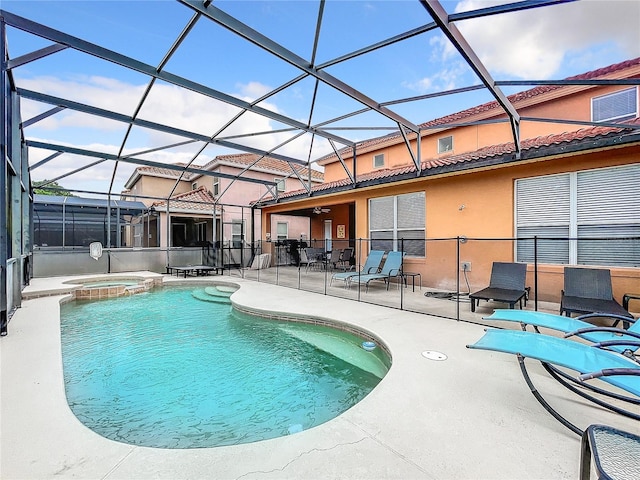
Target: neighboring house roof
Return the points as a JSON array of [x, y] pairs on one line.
[[154, 172], [199, 200], [489, 109], [239, 160], [265, 164], [539, 147]]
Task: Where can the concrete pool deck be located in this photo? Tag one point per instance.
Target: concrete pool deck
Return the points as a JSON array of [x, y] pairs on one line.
[[470, 416]]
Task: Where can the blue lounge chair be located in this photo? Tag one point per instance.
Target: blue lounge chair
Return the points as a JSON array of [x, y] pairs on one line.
[[574, 326], [371, 265], [588, 360], [391, 268]]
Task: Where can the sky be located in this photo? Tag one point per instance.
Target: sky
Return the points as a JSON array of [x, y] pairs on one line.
[[552, 42]]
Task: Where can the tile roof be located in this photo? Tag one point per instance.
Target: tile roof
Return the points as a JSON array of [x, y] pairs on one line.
[[490, 106], [162, 172], [270, 164], [200, 199], [532, 92], [465, 161]]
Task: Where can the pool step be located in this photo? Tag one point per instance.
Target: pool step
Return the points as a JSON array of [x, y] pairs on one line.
[[200, 294], [341, 348], [217, 292]]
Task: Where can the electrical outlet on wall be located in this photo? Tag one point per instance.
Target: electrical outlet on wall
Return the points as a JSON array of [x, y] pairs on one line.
[[465, 266]]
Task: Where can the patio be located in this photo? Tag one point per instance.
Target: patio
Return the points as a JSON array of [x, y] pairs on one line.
[[471, 416], [416, 296]]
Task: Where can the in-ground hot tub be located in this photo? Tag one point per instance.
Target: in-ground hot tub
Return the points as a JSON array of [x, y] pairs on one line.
[[112, 287]]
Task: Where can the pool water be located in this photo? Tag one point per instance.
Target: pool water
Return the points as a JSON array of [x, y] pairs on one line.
[[167, 369]]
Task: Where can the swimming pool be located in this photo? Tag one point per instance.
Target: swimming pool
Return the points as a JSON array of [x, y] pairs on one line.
[[167, 369]]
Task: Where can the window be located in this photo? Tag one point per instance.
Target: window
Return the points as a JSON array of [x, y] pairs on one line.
[[582, 218], [282, 229], [237, 233], [194, 185], [617, 106], [216, 186], [445, 144], [201, 231], [397, 223], [280, 184], [378, 160]]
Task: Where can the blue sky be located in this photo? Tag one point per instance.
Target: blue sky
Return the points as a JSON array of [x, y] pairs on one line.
[[545, 43]]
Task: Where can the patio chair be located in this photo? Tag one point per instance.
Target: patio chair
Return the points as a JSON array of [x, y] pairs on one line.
[[345, 262], [589, 361], [392, 268], [371, 265], [578, 326], [588, 290], [507, 284], [334, 259], [315, 258]]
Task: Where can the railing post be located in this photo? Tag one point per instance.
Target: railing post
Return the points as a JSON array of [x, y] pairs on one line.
[[535, 272], [401, 273], [359, 266], [457, 270]]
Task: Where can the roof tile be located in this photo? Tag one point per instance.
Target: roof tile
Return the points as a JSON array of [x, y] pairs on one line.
[[486, 152], [199, 199]]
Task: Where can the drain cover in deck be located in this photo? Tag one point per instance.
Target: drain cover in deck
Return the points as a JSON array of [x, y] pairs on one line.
[[431, 355]]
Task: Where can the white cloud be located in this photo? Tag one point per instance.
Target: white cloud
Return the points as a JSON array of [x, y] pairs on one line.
[[448, 78], [166, 104], [536, 43]]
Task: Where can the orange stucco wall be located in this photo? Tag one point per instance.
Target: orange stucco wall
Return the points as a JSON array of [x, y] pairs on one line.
[[572, 103], [488, 215]]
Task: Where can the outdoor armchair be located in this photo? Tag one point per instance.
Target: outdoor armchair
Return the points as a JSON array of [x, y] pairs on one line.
[[588, 290], [507, 284]]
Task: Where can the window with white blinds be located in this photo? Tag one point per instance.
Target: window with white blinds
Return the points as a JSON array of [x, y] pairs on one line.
[[587, 218], [617, 106], [398, 222]]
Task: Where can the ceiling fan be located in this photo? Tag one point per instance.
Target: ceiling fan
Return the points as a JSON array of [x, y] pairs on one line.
[[319, 210]]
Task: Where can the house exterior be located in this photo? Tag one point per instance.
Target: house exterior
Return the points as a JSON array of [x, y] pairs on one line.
[[216, 208], [472, 194]]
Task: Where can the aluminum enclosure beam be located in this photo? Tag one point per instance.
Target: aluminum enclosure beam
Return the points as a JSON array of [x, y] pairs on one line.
[[138, 161], [288, 56], [138, 66], [506, 8], [439, 14], [119, 117]]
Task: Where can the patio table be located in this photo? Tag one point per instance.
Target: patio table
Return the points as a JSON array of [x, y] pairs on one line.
[[616, 454]]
